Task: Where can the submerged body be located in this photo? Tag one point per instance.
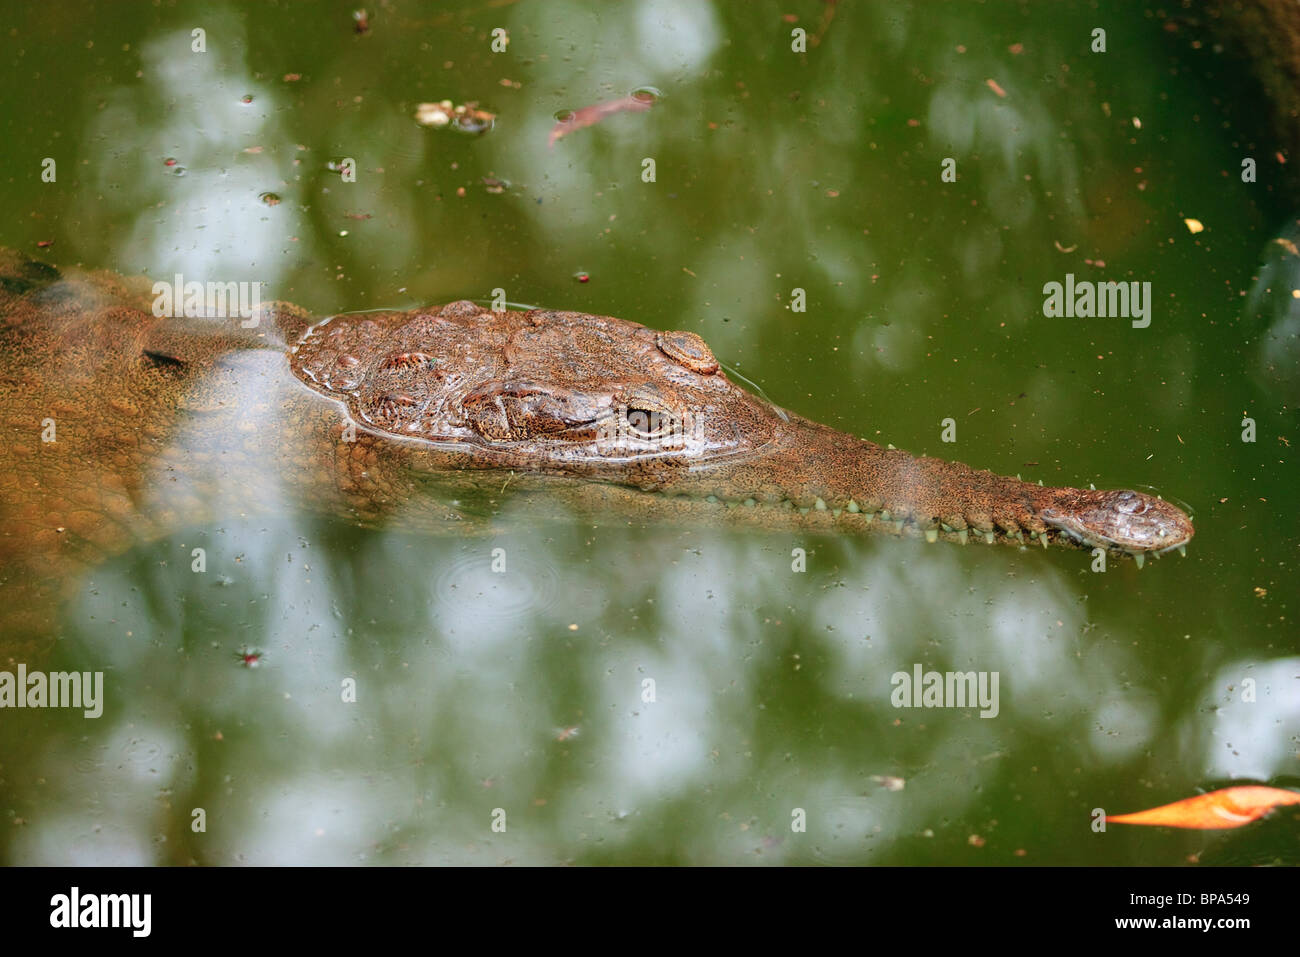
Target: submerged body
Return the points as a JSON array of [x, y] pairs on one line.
[[121, 426]]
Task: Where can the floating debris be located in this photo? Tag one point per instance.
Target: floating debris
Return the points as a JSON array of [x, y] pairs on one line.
[[1194, 226], [638, 101], [1215, 810], [494, 185], [436, 115], [361, 21], [269, 199], [465, 118], [249, 657]]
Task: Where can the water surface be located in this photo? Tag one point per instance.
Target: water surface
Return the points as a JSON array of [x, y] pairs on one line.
[[524, 692]]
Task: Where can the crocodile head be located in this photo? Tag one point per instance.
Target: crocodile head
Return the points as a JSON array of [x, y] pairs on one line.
[[547, 391], [617, 402]]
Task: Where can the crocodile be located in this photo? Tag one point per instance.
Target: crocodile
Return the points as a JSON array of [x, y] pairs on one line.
[[122, 426]]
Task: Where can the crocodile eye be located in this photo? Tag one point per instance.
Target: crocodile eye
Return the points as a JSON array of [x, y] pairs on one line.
[[649, 423]]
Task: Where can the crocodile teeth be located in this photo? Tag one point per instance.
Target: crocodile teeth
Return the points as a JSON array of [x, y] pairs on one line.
[[1043, 538], [1182, 550], [931, 535], [853, 506], [1139, 558], [804, 511], [819, 505], [988, 537], [963, 536], [749, 501]]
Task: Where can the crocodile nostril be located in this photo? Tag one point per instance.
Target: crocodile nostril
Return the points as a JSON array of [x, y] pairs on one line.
[[1131, 503]]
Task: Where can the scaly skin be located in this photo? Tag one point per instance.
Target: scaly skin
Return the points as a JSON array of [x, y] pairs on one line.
[[562, 392], [385, 418]]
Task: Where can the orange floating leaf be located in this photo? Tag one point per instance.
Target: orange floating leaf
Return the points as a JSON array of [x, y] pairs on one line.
[[1226, 808]]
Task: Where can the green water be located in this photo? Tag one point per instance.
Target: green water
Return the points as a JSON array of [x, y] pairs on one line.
[[521, 695]]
